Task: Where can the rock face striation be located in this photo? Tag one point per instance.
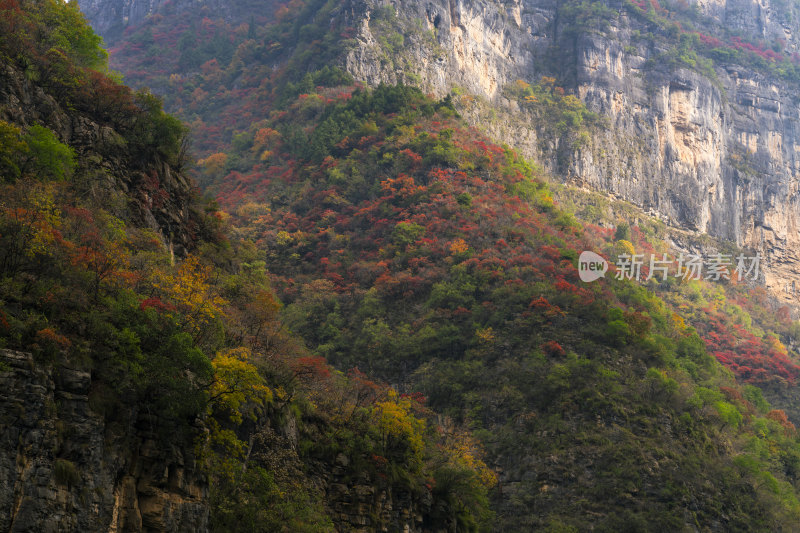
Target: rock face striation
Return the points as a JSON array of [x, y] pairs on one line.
[[66, 467]]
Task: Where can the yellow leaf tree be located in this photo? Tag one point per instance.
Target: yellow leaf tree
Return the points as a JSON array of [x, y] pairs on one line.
[[190, 292], [238, 388], [399, 428]]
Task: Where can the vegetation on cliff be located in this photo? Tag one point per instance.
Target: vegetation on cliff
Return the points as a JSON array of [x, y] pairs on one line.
[[194, 340]]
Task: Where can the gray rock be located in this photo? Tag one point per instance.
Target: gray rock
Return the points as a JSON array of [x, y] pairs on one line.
[[66, 469]]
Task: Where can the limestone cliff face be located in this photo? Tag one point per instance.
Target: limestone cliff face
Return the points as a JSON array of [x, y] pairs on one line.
[[718, 156], [65, 467], [110, 19]]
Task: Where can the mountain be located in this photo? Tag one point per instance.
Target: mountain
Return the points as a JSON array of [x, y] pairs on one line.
[[699, 98], [247, 63], [179, 363], [405, 243], [74, 140]]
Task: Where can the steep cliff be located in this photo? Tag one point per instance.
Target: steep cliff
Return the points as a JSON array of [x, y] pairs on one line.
[[711, 150], [66, 467]]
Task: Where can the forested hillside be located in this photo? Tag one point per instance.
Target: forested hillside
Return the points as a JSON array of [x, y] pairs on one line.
[[406, 243], [149, 383], [698, 99], [369, 314]]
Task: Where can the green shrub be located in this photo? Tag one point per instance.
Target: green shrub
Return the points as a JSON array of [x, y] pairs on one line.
[[47, 157]]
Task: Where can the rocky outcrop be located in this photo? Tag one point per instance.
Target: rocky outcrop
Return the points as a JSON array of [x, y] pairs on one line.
[[66, 467], [72, 464], [354, 499], [111, 18], [363, 504], [145, 194], [713, 157]]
